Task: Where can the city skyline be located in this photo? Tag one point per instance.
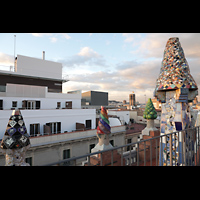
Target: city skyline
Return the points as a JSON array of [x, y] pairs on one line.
[[117, 63]]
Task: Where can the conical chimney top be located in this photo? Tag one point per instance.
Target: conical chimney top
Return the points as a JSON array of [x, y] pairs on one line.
[[15, 136], [174, 72]]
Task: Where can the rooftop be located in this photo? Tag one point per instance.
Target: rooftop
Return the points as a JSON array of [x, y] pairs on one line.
[[145, 153]]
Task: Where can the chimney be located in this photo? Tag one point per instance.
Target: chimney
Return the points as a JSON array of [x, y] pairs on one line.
[[43, 55]]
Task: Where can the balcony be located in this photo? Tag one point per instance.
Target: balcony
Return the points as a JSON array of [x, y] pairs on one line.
[[179, 148]]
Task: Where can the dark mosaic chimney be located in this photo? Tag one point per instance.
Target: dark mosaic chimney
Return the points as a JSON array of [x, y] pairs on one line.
[[15, 141]]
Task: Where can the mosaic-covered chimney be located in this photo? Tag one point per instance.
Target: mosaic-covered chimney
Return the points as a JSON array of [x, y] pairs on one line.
[[175, 88], [103, 132], [15, 141]]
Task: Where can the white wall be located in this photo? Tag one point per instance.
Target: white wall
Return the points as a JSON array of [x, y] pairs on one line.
[[19, 90], [16, 92], [44, 103], [123, 115], [38, 67], [67, 117]]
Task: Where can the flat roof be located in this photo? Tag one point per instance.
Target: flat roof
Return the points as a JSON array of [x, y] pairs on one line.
[[10, 73]]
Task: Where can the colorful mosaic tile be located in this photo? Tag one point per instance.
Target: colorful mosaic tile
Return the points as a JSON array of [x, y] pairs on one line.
[[175, 87], [15, 130], [174, 72]]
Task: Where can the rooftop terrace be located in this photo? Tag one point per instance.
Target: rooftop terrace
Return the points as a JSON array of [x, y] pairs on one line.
[[146, 152]]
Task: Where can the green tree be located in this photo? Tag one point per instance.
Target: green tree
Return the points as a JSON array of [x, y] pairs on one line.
[[150, 112]]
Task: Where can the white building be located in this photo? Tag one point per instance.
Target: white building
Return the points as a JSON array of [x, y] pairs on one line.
[[35, 87], [123, 115], [52, 118]]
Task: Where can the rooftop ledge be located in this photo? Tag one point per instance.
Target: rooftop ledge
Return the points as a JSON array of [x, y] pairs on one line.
[[10, 73], [69, 136]]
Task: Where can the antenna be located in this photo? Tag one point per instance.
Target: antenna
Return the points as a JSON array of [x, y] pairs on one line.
[[14, 49]]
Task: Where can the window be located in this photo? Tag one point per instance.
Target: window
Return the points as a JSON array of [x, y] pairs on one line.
[[66, 155], [31, 104], [128, 142], [58, 104], [34, 129], [1, 104], [68, 104], [54, 127], [14, 104], [58, 127], [88, 124]]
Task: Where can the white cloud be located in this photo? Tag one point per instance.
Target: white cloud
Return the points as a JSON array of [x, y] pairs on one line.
[[6, 59], [86, 57], [129, 76], [65, 35], [53, 39], [88, 52], [132, 37], [41, 34]]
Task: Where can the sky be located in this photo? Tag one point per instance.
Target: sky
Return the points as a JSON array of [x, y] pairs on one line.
[[117, 63]]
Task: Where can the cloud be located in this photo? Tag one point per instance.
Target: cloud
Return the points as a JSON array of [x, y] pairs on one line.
[[86, 56], [129, 76], [54, 38], [41, 34], [6, 59], [133, 38], [152, 45], [88, 52], [65, 35]]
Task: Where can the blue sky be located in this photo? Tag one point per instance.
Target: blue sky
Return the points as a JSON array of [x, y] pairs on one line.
[[117, 63]]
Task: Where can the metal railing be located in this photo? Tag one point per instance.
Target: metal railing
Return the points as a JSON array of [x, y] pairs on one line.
[[180, 148]]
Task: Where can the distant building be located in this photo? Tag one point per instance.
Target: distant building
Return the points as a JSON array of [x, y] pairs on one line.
[[94, 98], [132, 99], [123, 115]]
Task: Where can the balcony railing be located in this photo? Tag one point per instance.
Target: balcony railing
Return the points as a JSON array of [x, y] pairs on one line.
[[178, 148]]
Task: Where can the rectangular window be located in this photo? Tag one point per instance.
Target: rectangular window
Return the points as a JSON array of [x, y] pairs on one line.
[[37, 104], [30, 104], [66, 155], [34, 129], [58, 127], [54, 127], [88, 124], [1, 104], [58, 104], [68, 104], [14, 104], [128, 142]]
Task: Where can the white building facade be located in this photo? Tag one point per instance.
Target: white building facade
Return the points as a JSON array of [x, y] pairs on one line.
[[58, 127], [35, 87]]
